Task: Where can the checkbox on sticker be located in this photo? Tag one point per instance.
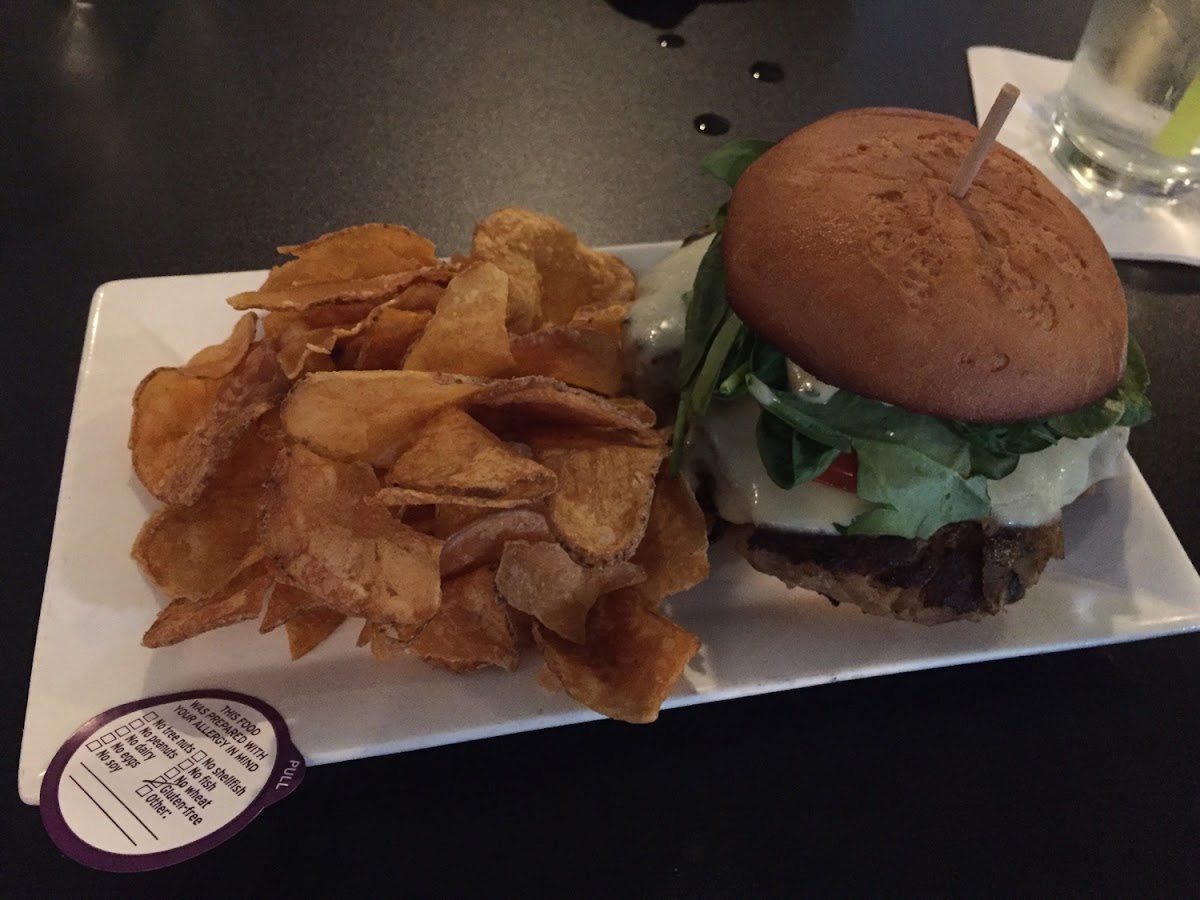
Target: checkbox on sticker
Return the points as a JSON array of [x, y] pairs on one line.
[[172, 772], [94, 746], [109, 738], [151, 716], [198, 756], [122, 731], [143, 790], [137, 723]]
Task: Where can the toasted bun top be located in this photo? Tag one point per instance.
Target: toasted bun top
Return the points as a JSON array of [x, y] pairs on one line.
[[844, 248]]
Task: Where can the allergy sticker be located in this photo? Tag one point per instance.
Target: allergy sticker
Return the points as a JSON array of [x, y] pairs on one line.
[[157, 781]]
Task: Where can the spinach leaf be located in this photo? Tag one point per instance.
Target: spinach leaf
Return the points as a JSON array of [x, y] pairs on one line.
[[731, 159], [991, 465], [996, 449], [852, 415], [679, 432], [717, 349], [710, 374], [916, 494], [916, 468], [1090, 420], [1133, 387], [797, 414], [718, 219], [705, 313], [789, 457], [734, 384]]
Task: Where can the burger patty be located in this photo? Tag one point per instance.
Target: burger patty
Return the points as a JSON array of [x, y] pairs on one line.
[[965, 570]]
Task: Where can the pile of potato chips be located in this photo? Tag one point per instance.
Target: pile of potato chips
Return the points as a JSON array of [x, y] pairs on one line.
[[437, 449]]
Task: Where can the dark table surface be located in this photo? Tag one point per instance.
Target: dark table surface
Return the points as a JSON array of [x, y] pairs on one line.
[[149, 138]]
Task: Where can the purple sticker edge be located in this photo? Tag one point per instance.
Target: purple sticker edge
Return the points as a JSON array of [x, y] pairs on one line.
[[79, 850]]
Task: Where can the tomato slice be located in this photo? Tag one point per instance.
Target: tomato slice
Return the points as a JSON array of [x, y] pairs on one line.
[[842, 473]]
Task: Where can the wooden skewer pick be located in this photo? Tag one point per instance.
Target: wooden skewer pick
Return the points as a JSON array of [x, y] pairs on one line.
[[983, 141]]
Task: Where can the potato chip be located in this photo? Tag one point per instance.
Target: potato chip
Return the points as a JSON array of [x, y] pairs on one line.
[[424, 294], [382, 646], [395, 497], [482, 542], [167, 407], [384, 341], [305, 296], [182, 619], [170, 402], [602, 504], [542, 580], [412, 299], [471, 629], [537, 400], [569, 437], [467, 334], [354, 263], [301, 352], [629, 663], [608, 319], [326, 535], [515, 240], [285, 601], [522, 626], [674, 550], [253, 458], [220, 359], [184, 426], [552, 274], [360, 251], [194, 551], [455, 459], [368, 416], [400, 289], [548, 680], [582, 358], [451, 517], [304, 339], [420, 517], [350, 319], [309, 627], [331, 315], [635, 408], [249, 392], [613, 282]]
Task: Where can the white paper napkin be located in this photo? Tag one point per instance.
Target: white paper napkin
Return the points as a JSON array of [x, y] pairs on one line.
[[1131, 227]]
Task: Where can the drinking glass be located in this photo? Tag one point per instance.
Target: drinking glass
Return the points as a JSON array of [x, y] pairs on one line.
[[1128, 119]]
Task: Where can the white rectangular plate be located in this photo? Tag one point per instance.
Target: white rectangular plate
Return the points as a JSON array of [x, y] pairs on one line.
[[1126, 577]]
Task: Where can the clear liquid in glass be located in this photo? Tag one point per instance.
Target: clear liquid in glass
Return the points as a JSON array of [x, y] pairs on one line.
[[1135, 60]]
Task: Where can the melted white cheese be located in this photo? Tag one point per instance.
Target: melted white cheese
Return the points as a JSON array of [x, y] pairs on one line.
[[1046, 481], [1034, 494], [657, 318], [724, 446], [655, 324], [805, 384]]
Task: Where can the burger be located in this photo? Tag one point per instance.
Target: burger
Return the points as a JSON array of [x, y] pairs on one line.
[[884, 393]]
